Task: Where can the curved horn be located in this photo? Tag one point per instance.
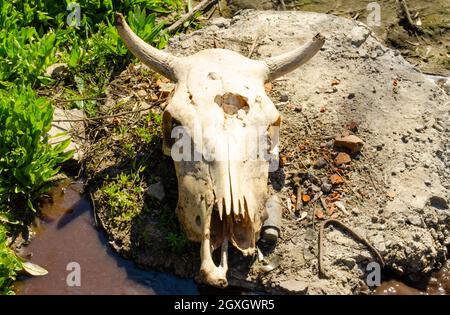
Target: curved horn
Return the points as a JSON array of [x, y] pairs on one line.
[[155, 59], [289, 61]]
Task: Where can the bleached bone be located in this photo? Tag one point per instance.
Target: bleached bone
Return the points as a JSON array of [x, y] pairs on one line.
[[232, 128], [155, 59]]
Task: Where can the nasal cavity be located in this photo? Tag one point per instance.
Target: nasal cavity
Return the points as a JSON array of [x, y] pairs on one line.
[[231, 103]]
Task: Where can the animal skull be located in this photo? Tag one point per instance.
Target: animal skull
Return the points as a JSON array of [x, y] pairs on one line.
[[221, 110]]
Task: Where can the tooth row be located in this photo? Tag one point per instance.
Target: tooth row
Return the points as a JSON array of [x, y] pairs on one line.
[[239, 206]]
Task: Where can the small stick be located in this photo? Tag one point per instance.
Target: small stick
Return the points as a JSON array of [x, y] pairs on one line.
[[411, 23], [220, 8], [202, 6], [80, 99], [299, 201], [212, 13], [104, 116], [253, 45], [352, 233], [324, 204], [94, 210], [282, 5]]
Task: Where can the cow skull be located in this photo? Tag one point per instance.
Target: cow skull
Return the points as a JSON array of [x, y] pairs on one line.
[[229, 128]]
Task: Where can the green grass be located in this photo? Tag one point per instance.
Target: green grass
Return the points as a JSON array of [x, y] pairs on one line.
[[34, 34], [123, 195], [10, 264]]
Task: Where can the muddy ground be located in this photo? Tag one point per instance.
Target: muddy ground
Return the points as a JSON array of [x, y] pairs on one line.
[[395, 192], [428, 47]]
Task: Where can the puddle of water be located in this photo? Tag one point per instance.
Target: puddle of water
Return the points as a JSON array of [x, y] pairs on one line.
[[438, 284], [66, 234]]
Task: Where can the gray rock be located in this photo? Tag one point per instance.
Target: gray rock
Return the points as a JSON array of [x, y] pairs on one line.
[[326, 187], [284, 97], [156, 191], [414, 220], [62, 129], [57, 71], [294, 286], [359, 35], [221, 22], [438, 202], [320, 163]]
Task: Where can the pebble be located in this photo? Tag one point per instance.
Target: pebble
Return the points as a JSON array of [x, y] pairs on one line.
[[419, 128], [156, 191], [284, 97], [351, 142], [414, 220], [326, 188], [320, 163]]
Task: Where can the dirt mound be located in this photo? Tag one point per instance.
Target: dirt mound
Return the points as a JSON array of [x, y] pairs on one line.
[[395, 192]]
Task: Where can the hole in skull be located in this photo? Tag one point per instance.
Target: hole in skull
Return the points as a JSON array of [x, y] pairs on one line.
[[216, 229], [232, 103]]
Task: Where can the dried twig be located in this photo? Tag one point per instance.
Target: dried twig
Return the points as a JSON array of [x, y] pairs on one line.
[[408, 18], [104, 116], [255, 41], [80, 99], [202, 6], [94, 209], [355, 235]]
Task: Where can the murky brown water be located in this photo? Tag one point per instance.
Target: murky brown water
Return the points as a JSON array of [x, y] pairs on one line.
[[67, 234], [438, 284]]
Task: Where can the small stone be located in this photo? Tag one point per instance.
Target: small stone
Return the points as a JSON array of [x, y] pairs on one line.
[[320, 163], [221, 22], [427, 164], [351, 142], [359, 35], [57, 70], [326, 188], [427, 182], [348, 262], [336, 179], [141, 93], [294, 286], [156, 191], [351, 96], [340, 205], [405, 138], [284, 97], [342, 158], [419, 128], [438, 202], [414, 220]]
